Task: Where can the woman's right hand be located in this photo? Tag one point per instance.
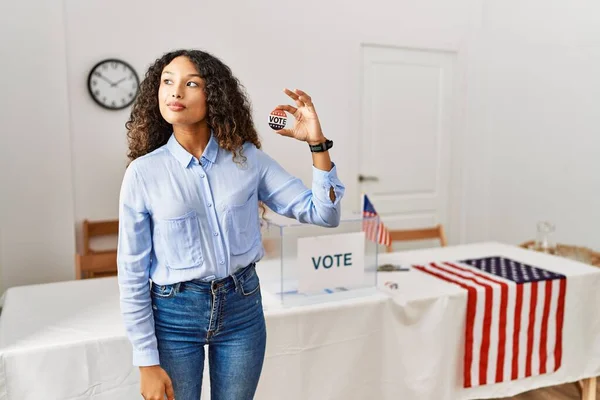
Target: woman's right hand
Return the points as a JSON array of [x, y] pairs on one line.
[[155, 383]]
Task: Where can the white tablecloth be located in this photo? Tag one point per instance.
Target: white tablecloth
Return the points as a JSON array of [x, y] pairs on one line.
[[66, 340]]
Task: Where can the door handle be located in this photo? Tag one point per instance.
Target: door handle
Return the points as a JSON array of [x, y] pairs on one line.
[[362, 178]]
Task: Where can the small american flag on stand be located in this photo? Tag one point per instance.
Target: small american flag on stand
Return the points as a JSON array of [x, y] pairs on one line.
[[514, 317], [374, 229]]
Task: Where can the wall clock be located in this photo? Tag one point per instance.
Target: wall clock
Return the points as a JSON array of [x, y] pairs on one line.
[[113, 84]]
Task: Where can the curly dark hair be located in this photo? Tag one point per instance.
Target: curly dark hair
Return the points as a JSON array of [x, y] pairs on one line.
[[229, 113]]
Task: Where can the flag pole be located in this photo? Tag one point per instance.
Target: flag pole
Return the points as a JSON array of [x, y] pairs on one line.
[[362, 202]]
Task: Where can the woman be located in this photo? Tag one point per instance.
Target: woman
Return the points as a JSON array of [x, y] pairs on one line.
[[189, 223]]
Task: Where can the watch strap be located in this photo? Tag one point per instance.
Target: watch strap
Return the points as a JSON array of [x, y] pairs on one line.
[[318, 148]]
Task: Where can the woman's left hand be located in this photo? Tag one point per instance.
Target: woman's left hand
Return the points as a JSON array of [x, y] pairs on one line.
[[307, 127]]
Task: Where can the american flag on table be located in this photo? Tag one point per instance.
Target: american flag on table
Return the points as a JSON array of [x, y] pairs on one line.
[[374, 229], [515, 315]]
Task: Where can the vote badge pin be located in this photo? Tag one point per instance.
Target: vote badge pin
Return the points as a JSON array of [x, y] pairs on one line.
[[277, 119]]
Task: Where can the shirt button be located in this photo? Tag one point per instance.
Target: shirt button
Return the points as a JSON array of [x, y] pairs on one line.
[[201, 175], [216, 233], [222, 262], [210, 204]]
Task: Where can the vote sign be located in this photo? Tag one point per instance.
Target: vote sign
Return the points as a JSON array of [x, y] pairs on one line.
[[330, 261]]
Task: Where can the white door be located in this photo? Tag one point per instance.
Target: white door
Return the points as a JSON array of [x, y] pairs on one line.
[[406, 135]]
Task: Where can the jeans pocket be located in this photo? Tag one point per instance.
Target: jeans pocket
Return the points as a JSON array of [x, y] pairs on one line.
[[243, 225], [250, 283], [162, 291], [180, 239]]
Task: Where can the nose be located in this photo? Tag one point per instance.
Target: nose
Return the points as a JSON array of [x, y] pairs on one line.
[[175, 94]]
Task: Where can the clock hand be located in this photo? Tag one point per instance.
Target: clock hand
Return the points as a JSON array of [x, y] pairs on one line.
[[102, 76], [117, 82]]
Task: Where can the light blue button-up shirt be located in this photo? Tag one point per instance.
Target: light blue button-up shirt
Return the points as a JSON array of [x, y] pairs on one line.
[[181, 218]]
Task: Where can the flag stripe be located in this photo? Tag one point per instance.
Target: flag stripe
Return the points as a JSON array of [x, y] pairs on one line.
[[530, 332], [544, 331], [537, 329], [523, 334], [517, 329], [502, 333], [471, 304], [551, 342], [559, 323]]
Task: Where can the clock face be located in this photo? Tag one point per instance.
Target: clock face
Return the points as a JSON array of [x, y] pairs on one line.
[[113, 84]]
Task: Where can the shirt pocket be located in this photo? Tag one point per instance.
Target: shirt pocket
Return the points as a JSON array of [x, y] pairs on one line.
[[243, 225], [180, 240]]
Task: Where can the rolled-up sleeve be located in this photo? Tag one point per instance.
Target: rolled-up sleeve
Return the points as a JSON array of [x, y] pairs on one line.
[[133, 260], [287, 195], [321, 184]]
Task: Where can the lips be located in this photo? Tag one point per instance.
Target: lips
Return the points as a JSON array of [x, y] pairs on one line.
[[175, 106]]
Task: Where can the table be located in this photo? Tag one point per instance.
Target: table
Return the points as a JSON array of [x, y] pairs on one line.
[[66, 341]]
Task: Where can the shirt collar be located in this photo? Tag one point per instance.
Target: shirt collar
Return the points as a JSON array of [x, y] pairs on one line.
[[211, 150], [184, 157]]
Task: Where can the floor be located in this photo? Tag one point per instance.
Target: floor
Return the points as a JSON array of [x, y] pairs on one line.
[[562, 392]]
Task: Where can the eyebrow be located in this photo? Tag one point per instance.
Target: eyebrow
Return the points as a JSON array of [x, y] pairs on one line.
[[190, 75]]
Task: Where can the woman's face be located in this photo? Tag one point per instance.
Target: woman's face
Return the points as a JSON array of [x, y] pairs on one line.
[[181, 93]]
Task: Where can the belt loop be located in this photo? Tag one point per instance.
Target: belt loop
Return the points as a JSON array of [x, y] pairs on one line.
[[177, 287], [235, 281]]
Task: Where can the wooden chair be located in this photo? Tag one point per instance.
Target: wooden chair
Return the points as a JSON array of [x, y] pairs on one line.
[[436, 232], [94, 229], [93, 263], [96, 265]]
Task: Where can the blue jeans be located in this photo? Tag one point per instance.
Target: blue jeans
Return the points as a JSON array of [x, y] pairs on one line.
[[225, 314]]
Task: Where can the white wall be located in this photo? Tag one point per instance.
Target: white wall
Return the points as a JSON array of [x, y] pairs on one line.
[[527, 74], [36, 191], [542, 94]]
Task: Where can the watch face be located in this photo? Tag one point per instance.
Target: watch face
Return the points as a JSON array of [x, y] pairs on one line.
[[113, 84]]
